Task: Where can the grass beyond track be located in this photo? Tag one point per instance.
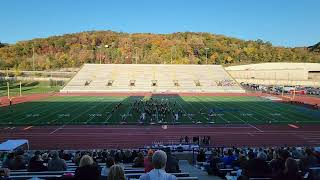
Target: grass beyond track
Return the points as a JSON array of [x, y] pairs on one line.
[[27, 87], [58, 110]]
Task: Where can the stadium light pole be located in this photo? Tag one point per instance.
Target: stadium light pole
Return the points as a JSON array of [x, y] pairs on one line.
[[99, 47], [206, 54]]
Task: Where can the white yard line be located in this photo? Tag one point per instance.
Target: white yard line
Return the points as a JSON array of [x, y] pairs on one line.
[[59, 128], [242, 120]]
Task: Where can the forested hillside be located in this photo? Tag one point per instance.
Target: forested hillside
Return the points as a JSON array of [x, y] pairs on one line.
[[72, 50]]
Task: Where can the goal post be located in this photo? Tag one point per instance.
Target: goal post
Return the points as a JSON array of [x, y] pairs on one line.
[[8, 86], [291, 94]]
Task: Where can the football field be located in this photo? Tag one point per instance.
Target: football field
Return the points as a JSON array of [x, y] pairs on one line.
[[247, 110]]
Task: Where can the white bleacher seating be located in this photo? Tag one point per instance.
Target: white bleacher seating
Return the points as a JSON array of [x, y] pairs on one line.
[[143, 75]]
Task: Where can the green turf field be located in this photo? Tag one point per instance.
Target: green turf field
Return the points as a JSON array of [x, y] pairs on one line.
[[97, 110]]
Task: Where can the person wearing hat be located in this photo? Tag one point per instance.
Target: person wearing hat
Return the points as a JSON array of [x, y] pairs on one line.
[[148, 161]]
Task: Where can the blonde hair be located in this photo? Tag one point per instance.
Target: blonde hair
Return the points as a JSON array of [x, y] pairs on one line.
[[85, 161], [116, 173]]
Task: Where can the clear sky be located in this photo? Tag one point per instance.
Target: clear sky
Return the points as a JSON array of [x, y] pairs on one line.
[[282, 22]]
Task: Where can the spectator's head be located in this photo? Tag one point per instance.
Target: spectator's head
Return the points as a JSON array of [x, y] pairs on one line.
[[250, 155], [116, 173], [19, 152], [230, 152], [291, 166], [55, 155], [284, 154], [140, 155], [262, 156], [159, 159], [308, 152], [44, 156], [37, 153], [86, 160], [214, 154], [109, 161], [150, 153], [167, 151], [10, 156]]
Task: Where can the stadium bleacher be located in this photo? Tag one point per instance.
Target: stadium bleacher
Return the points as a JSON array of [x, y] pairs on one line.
[[152, 78], [308, 170]]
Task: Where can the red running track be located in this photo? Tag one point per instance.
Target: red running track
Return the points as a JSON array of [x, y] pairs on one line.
[[100, 137]]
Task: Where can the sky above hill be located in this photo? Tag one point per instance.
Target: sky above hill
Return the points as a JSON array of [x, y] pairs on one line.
[[282, 22]]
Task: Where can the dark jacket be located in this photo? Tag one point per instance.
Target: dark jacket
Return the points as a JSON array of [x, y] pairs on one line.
[[172, 165], [90, 172], [286, 176], [36, 165], [257, 168]]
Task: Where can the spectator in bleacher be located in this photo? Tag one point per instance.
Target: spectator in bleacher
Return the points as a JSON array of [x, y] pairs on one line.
[[278, 163], [138, 161], [45, 157], [242, 160], [228, 158], [256, 167], [7, 163], [57, 164], [172, 165], [159, 160], [201, 157], [36, 164], [148, 161], [309, 160], [116, 173], [119, 156], [18, 162], [87, 169], [134, 155], [4, 172], [291, 171], [213, 167], [77, 158], [296, 154], [109, 162], [127, 156]]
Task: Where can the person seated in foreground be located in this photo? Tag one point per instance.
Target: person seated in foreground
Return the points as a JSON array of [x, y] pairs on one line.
[[159, 160], [201, 157], [109, 162], [172, 165], [57, 164], [228, 158], [277, 164], [116, 173], [308, 160], [256, 167], [213, 167], [36, 163], [4, 172], [291, 171], [8, 161], [148, 161], [87, 169], [139, 160]]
